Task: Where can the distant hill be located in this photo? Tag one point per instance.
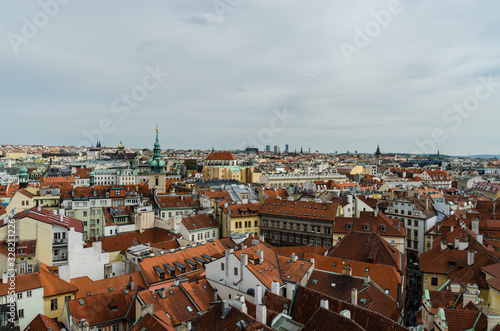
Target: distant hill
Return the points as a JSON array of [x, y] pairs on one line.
[[483, 156]]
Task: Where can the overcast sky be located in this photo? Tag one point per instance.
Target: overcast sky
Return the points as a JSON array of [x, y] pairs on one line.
[[225, 65]]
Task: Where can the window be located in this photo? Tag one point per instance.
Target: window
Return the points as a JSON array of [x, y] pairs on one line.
[[84, 214], [434, 281], [67, 298], [84, 223], [235, 271], [222, 266], [116, 327], [21, 313], [19, 295], [53, 304], [255, 223], [28, 294]]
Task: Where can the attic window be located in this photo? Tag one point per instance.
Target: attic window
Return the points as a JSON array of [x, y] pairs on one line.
[[333, 285], [382, 228], [362, 300], [348, 226], [287, 277], [367, 269], [366, 227], [315, 281], [88, 294], [334, 264], [171, 292], [81, 302]]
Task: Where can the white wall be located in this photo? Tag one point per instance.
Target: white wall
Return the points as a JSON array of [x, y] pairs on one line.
[[84, 262], [32, 306]]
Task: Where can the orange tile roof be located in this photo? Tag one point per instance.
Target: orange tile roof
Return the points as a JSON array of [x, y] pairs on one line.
[[24, 282], [380, 224], [52, 284], [242, 210], [85, 285], [147, 264]]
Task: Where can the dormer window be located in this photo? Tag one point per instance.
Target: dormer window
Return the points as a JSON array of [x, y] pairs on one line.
[[349, 226], [366, 227]]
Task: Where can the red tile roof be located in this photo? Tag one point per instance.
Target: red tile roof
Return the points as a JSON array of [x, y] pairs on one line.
[[368, 247], [48, 216], [380, 224], [198, 222], [299, 209], [307, 301], [152, 323], [103, 308], [177, 201], [221, 156], [212, 320], [122, 241], [43, 323]]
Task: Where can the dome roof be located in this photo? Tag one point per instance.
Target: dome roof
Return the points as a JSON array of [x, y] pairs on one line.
[[120, 146], [23, 170]]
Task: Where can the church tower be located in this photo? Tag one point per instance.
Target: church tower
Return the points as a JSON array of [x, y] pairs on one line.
[[23, 177], [157, 178], [378, 155]]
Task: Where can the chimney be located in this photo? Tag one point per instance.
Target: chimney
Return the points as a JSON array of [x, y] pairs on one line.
[[426, 204], [176, 282], [275, 287], [470, 257], [147, 309], [354, 296], [85, 325], [493, 320], [131, 284], [366, 279], [480, 238], [455, 288], [443, 246], [346, 313], [243, 305], [215, 294], [244, 260], [258, 295], [225, 308], [39, 208], [162, 293], [324, 304], [457, 240], [260, 254], [55, 212], [346, 271], [312, 262], [475, 225], [61, 211], [261, 314], [294, 257]]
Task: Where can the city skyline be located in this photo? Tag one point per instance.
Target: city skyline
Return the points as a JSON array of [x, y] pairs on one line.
[[349, 76]]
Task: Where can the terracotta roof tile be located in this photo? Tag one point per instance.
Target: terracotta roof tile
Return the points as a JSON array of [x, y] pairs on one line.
[[42, 323], [52, 284], [87, 286]]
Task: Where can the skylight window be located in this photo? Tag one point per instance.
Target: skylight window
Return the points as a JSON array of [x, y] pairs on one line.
[[189, 309]]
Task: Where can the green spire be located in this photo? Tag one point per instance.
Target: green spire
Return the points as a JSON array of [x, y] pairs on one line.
[[157, 165]]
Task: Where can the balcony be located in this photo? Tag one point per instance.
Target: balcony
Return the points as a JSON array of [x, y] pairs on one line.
[[59, 242], [60, 258]]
